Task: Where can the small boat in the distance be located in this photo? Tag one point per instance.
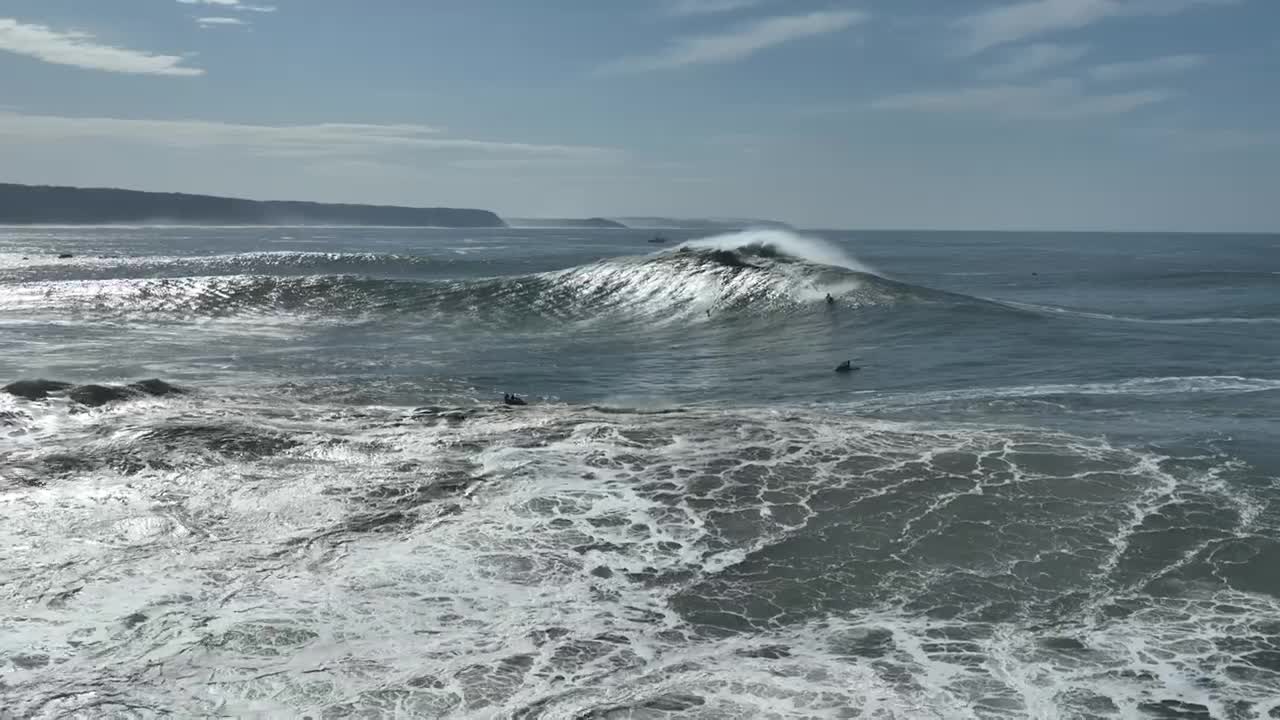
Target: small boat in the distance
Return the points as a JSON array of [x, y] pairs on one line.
[[657, 239]]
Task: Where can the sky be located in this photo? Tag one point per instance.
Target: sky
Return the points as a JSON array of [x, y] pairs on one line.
[[925, 114]]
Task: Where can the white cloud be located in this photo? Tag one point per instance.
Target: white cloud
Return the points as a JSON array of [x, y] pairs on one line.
[[315, 141], [1018, 21], [1144, 68], [1057, 99], [79, 49], [215, 21], [708, 7], [223, 20], [1031, 59], [741, 42], [231, 4]]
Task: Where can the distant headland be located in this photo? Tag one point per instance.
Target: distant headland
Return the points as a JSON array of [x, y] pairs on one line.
[[711, 224], [58, 205], [50, 205], [592, 223]]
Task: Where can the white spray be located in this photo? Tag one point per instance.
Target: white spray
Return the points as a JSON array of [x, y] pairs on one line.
[[803, 247]]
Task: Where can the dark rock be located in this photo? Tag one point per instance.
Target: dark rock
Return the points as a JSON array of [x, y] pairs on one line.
[[38, 389], [99, 395], [156, 388]]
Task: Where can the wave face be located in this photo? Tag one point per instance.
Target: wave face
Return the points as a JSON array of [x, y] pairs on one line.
[[272, 473], [760, 272]]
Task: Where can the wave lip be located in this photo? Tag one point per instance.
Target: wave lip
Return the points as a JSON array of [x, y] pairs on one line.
[[781, 244]]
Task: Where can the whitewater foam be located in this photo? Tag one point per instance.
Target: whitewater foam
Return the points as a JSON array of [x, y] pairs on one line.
[[804, 247], [559, 561]]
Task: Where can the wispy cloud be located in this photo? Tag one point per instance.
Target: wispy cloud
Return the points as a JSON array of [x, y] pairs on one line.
[[1057, 99], [1145, 68], [1031, 59], [216, 21], [740, 42], [315, 140], [708, 7], [1018, 21], [80, 49], [1220, 139], [231, 5]]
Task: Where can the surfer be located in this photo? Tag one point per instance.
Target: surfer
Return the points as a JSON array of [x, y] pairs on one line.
[[830, 300], [846, 367], [509, 399]]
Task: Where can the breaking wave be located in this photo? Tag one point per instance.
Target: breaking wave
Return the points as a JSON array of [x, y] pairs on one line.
[[762, 272]]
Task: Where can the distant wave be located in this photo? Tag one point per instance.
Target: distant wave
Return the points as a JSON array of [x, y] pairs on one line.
[[1060, 311], [247, 262], [1145, 386]]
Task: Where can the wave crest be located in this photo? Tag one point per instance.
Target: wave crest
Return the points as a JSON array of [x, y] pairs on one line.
[[780, 244]]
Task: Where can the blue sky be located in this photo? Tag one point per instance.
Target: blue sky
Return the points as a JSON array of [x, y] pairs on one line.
[[1000, 114]]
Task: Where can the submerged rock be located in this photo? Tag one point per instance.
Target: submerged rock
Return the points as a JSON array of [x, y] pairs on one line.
[[37, 389], [157, 388], [99, 395], [90, 395]]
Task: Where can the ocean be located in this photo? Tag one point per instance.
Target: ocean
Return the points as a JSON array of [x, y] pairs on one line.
[[1049, 488]]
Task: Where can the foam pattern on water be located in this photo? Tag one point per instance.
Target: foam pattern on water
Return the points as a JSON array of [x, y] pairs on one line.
[[260, 557]]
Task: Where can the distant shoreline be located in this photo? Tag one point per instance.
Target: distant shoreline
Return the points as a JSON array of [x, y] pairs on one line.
[[31, 205]]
